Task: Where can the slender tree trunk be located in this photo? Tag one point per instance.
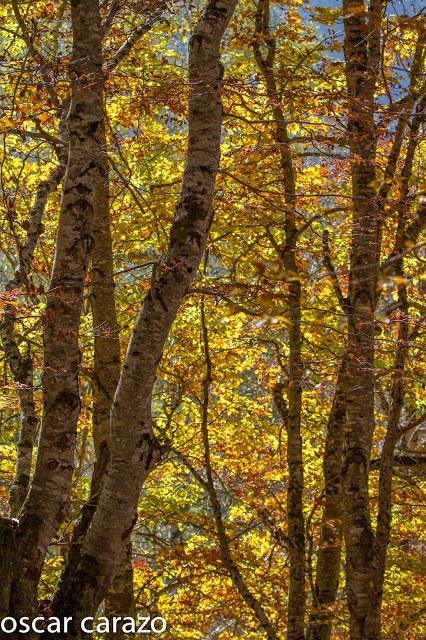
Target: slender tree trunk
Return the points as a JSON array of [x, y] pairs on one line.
[[359, 387], [47, 500], [381, 542], [24, 377], [330, 549], [287, 255], [384, 516], [295, 517], [120, 600], [106, 365], [134, 448], [296, 525], [21, 364], [225, 549]]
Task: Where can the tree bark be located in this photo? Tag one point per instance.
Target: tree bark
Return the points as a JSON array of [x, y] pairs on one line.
[[384, 516], [47, 500], [106, 374], [7, 550], [134, 446], [21, 364], [330, 549], [120, 600], [293, 416], [359, 388]]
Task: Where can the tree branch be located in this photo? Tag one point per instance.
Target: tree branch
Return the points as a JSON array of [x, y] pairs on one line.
[[343, 301], [20, 364], [37, 56], [400, 461], [153, 13]]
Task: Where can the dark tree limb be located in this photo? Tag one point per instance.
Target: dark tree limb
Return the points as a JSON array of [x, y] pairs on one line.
[[36, 55], [343, 301], [153, 13]]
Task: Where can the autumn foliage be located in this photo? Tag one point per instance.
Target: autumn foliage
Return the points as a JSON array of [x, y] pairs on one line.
[[260, 472]]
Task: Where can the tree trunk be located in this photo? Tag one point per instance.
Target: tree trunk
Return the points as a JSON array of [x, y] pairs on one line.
[[46, 503], [134, 448], [20, 364], [7, 549], [384, 516], [106, 374], [359, 387], [120, 600], [330, 549], [292, 419]]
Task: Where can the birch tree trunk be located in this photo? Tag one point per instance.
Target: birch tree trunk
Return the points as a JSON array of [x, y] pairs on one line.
[[46, 503], [134, 448]]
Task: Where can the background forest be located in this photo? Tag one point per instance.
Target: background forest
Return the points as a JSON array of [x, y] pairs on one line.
[[261, 473]]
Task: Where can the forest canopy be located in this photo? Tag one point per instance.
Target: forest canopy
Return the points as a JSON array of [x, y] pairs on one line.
[[212, 291]]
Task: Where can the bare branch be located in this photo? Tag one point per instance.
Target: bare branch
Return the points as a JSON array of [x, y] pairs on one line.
[[37, 56], [153, 13], [113, 10], [343, 301]]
